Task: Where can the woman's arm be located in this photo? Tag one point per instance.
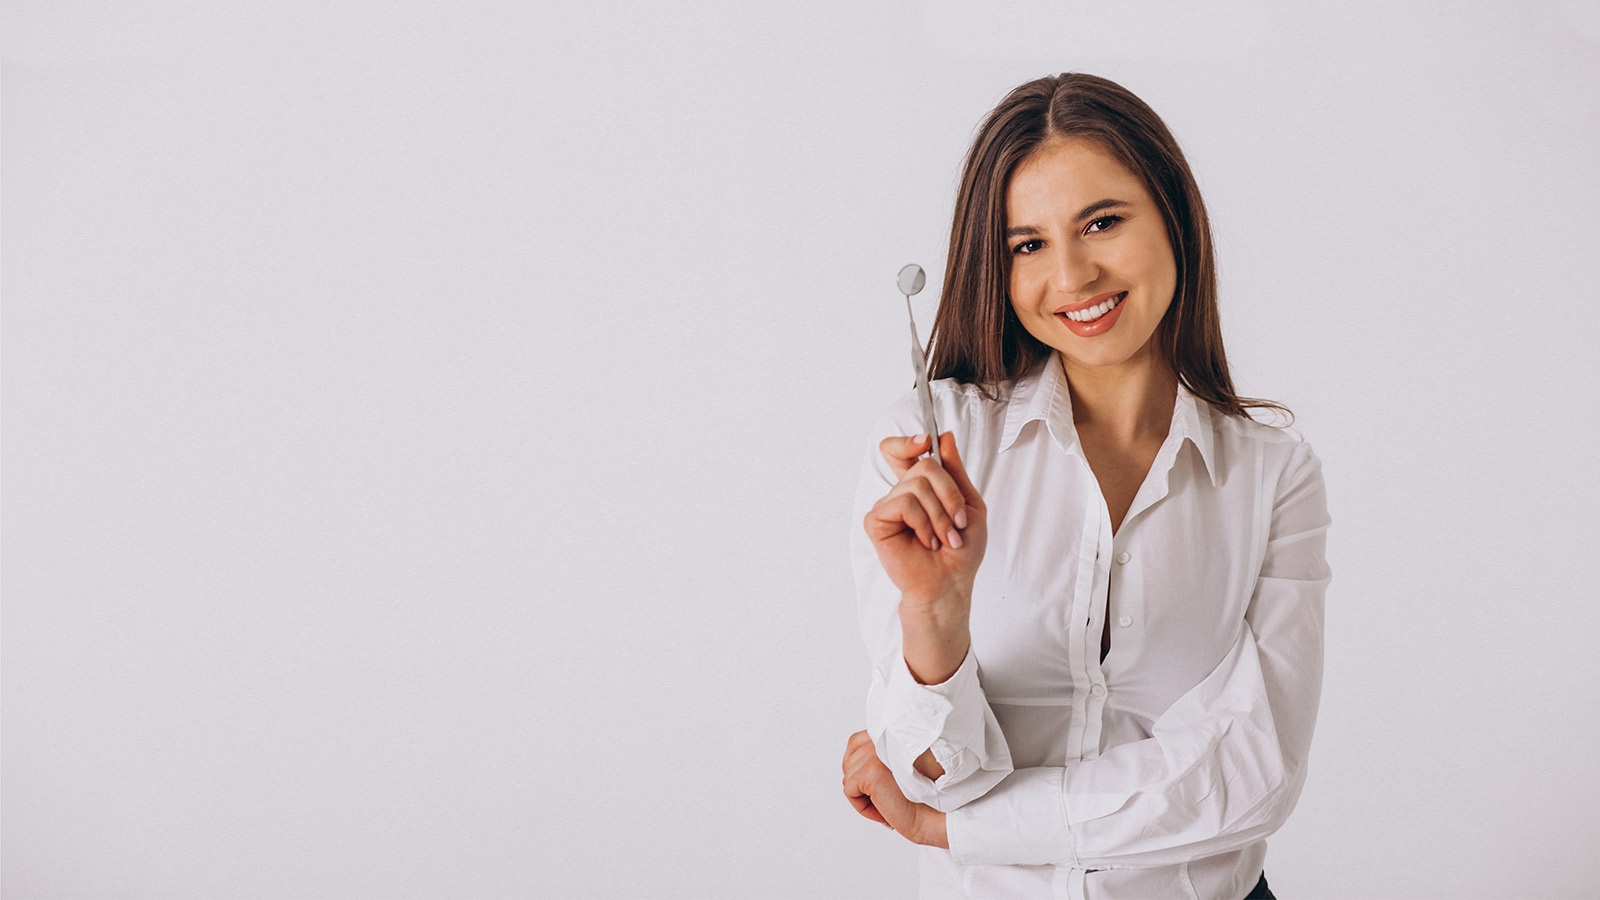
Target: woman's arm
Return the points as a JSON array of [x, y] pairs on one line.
[[1224, 765], [926, 712]]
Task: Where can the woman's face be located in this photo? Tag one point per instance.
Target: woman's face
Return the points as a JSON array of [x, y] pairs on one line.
[[1092, 271]]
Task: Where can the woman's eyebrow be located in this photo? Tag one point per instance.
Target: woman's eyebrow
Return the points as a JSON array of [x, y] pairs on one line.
[[1099, 206], [1096, 207]]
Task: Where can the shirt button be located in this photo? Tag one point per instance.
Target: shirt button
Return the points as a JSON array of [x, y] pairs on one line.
[[1125, 621], [1123, 557], [1098, 690]]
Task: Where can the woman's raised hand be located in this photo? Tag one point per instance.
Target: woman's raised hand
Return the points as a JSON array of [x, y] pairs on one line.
[[930, 531]]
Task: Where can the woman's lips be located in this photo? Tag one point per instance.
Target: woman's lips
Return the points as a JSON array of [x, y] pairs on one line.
[[1090, 303], [1098, 326]]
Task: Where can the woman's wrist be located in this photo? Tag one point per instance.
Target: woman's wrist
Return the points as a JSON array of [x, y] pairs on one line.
[[943, 610], [931, 828]]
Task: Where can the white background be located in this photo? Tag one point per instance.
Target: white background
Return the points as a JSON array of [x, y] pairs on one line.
[[430, 428]]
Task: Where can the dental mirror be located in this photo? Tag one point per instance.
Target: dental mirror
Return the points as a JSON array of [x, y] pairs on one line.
[[910, 281]]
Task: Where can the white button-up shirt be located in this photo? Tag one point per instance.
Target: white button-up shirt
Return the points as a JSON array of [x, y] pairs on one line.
[[1160, 771]]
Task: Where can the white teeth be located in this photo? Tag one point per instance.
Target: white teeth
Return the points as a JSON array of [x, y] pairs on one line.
[[1095, 312]]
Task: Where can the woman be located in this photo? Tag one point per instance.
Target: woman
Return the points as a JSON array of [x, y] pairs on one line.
[[1096, 629]]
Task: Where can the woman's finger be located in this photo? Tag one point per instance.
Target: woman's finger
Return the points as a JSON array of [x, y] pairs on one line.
[[863, 803], [864, 807], [958, 471], [851, 746], [863, 769], [943, 517], [863, 758], [897, 513], [901, 451], [951, 499]]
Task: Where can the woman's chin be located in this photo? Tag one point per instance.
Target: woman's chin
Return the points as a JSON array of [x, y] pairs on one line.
[[1108, 356]]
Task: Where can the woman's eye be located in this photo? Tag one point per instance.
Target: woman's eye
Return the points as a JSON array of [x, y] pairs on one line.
[[1027, 247], [1104, 223]]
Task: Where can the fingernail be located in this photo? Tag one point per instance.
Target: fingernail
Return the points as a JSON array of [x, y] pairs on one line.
[[961, 518], [919, 438], [954, 537], [935, 544]]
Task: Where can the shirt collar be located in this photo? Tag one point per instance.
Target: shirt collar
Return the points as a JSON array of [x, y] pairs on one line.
[[1191, 416], [1043, 395]]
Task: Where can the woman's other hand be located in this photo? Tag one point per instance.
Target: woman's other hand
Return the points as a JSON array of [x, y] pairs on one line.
[[871, 789], [930, 531]]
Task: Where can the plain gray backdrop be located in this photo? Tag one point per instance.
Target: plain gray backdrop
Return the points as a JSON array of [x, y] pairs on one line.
[[430, 428]]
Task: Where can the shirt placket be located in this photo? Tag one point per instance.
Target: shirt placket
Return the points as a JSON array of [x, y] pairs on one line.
[[1087, 619]]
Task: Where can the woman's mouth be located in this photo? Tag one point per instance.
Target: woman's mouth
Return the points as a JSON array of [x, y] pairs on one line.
[[1096, 319]]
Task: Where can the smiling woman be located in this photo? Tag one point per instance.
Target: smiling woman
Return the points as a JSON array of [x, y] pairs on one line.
[[1096, 626]]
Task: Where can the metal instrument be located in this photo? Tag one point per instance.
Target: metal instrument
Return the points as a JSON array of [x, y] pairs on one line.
[[910, 281]]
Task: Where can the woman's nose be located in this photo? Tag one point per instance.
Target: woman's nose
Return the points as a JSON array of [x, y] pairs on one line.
[[1075, 270]]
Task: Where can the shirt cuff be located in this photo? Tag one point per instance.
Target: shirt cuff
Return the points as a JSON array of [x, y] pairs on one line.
[[1022, 821], [949, 718]]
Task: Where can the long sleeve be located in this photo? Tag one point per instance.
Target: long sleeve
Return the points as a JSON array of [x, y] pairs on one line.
[[905, 718], [1223, 766]]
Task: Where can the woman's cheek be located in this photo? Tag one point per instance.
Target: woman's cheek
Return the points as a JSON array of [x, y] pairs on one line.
[[1024, 281]]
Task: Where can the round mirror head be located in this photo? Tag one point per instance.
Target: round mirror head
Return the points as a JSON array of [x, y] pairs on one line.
[[911, 279]]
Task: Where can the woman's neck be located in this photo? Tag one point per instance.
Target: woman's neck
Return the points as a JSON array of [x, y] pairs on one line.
[[1130, 403]]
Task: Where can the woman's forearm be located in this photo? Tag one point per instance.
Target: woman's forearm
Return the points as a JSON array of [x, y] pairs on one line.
[[935, 640]]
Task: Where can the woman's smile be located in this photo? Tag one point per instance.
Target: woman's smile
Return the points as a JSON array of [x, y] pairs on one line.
[[1094, 317]]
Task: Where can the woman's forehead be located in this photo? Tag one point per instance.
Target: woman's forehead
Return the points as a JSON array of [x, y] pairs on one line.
[[1069, 165], [1071, 170]]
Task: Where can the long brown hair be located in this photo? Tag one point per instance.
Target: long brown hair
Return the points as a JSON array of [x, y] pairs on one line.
[[976, 336]]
